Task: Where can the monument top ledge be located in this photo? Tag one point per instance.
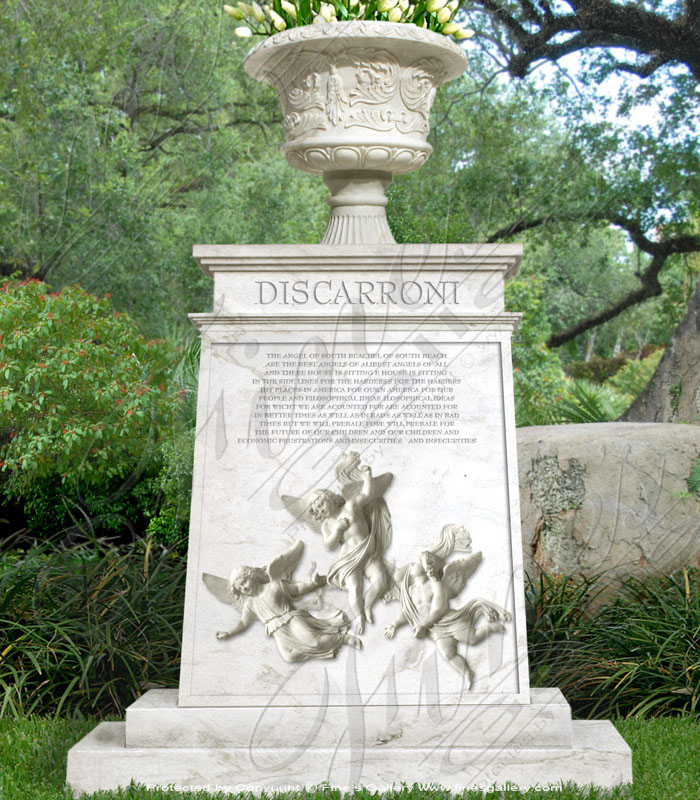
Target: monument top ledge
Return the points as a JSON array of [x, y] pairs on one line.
[[214, 258]]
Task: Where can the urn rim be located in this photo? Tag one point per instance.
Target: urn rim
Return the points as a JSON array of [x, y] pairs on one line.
[[333, 35]]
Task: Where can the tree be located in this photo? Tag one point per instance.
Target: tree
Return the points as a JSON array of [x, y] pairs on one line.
[[658, 42], [674, 392], [654, 32], [119, 119]]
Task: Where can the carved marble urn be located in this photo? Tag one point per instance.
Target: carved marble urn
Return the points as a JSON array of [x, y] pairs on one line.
[[356, 99]]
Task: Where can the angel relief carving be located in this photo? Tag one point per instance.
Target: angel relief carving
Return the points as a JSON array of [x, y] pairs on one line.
[[359, 524], [267, 594], [424, 590]]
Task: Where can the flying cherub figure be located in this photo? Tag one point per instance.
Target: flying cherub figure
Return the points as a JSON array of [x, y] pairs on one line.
[[424, 590], [268, 594], [357, 521]]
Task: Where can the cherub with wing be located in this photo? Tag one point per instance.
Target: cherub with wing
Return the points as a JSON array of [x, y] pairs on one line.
[[267, 594], [425, 589], [358, 522]]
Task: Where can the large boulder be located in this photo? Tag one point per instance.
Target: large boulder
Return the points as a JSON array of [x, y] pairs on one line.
[[609, 497]]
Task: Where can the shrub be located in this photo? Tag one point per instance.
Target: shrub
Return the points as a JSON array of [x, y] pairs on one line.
[[86, 403], [597, 369], [583, 401], [636, 655], [538, 379], [83, 396], [635, 375], [85, 629]]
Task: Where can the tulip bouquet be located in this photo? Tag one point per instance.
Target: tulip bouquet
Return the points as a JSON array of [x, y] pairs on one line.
[[267, 19]]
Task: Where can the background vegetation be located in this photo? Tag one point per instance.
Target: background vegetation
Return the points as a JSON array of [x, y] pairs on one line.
[[128, 132], [132, 131]]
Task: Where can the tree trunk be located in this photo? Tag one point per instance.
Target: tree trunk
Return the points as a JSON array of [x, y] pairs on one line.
[[673, 393], [590, 346]]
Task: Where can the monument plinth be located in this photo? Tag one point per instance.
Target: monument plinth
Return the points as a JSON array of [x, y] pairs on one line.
[[354, 611]]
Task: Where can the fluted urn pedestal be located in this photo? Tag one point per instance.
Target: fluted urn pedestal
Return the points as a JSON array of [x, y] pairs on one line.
[[356, 99]]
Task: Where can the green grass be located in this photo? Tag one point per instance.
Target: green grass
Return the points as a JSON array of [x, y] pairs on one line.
[[666, 753]]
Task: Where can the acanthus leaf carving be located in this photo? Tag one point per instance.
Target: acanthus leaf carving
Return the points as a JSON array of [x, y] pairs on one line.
[[419, 85], [376, 76], [335, 97]]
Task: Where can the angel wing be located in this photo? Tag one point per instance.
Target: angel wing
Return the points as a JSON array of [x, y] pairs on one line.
[[452, 537], [455, 574], [219, 587], [282, 567], [397, 576], [298, 507], [348, 470]]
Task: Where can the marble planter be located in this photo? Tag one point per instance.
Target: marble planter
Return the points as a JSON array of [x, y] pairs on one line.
[[356, 99]]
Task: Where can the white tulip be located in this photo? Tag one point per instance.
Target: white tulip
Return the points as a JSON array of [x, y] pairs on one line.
[[451, 27], [290, 8], [277, 21], [443, 15], [453, 5], [395, 14], [258, 13], [243, 32], [463, 33], [386, 5], [236, 13], [435, 5], [246, 9], [318, 20]]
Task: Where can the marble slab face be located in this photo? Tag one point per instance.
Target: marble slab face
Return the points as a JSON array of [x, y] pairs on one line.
[[424, 398], [598, 756], [156, 720]]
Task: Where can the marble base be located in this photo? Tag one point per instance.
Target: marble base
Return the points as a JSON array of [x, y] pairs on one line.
[[155, 720], [102, 761]]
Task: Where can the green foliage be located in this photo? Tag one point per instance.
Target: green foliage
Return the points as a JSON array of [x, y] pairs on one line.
[[635, 655], [598, 369], [557, 607], [590, 402], [84, 397], [53, 506], [635, 375], [538, 377], [694, 477], [170, 526], [85, 628]]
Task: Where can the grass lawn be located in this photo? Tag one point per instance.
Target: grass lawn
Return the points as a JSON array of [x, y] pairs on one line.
[[666, 764]]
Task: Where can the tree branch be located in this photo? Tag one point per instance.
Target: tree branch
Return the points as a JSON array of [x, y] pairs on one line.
[[650, 288], [598, 24], [516, 227], [649, 278], [660, 251]]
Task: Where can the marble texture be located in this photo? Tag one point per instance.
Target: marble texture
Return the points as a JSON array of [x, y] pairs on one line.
[[237, 513], [101, 760], [402, 355], [156, 720]]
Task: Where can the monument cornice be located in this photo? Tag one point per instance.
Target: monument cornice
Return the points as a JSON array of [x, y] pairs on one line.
[[214, 258], [446, 321]]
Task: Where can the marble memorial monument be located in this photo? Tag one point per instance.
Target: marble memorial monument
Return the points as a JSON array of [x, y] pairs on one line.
[[354, 612]]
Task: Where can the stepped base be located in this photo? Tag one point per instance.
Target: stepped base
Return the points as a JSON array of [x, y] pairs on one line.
[[241, 749]]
